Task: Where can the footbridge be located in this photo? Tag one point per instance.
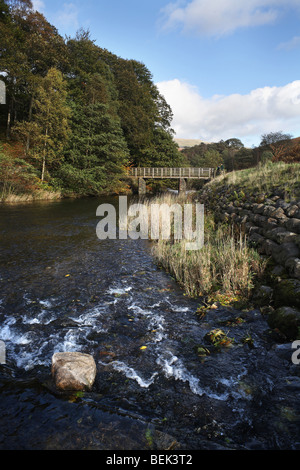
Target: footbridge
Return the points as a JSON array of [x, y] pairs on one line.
[[182, 174]]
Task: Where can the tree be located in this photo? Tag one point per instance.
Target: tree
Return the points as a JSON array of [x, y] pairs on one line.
[[234, 143], [163, 151], [203, 156], [244, 158], [49, 127], [293, 154], [98, 150], [278, 143], [21, 5], [273, 138], [30, 46]]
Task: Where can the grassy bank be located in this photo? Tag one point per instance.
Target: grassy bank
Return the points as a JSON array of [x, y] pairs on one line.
[[227, 268], [13, 198], [262, 180], [224, 269]]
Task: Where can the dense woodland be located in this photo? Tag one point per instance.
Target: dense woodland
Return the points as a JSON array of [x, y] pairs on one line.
[[77, 116]]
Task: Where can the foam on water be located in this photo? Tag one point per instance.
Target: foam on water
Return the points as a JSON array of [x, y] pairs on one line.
[[173, 367], [29, 348], [139, 310], [91, 317], [70, 342], [35, 347], [119, 290], [180, 309], [132, 374], [8, 334]]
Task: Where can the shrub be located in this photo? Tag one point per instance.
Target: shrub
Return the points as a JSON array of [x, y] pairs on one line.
[[16, 176]]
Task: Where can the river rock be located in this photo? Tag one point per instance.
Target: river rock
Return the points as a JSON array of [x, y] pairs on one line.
[[73, 371], [287, 292], [286, 320], [293, 225], [263, 296]]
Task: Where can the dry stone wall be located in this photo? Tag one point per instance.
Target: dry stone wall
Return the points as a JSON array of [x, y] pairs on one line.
[[272, 224]]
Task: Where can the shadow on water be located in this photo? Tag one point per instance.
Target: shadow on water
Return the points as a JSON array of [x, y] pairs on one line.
[[62, 289]]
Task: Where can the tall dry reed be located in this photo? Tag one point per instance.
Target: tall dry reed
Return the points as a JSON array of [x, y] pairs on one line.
[[224, 265]]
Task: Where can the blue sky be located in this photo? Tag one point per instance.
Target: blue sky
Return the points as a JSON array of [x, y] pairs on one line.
[[228, 68]]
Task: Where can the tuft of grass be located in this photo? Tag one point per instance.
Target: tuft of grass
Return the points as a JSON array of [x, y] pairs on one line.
[[224, 266]]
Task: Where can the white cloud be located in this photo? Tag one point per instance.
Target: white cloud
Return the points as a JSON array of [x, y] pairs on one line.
[[289, 45], [219, 17], [38, 5], [246, 116], [68, 16]]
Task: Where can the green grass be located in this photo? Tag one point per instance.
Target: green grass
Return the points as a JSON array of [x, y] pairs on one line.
[[263, 179]]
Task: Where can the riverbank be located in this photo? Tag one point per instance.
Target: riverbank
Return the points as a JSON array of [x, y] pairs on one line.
[[53, 195], [32, 197], [252, 245]]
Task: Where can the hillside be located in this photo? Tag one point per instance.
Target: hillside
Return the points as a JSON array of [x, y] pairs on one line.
[[187, 143]]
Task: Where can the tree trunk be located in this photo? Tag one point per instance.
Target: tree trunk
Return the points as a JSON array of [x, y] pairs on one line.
[[44, 156], [10, 115], [43, 166], [8, 120], [29, 119]]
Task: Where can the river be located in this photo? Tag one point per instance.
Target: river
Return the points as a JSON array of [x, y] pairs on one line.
[[63, 289]]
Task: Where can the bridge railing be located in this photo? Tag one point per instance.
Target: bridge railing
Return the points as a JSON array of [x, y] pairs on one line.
[[140, 172]]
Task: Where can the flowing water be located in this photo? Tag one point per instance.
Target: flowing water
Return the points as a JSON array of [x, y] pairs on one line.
[[63, 289]]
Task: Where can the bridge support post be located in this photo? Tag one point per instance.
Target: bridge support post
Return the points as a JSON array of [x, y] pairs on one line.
[[142, 186], [182, 185]]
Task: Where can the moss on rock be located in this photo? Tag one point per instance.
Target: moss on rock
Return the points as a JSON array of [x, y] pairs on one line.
[[287, 292]]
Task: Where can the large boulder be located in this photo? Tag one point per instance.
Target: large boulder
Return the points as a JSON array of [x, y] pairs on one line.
[[73, 371]]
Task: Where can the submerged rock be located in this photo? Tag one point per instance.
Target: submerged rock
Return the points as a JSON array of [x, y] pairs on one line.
[[73, 371]]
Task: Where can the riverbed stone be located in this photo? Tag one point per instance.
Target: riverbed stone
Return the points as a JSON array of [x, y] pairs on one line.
[[287, 292], [293, 225], [287, 321], [281, 253], [263, 296], [73, 371], [293, 267]]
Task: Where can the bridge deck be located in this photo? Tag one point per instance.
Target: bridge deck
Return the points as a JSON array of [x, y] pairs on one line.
[[197, 173]]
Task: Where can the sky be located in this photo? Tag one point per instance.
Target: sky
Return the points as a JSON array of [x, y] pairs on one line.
[[227, 68]]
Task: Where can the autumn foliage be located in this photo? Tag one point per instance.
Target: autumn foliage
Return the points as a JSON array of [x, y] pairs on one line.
[[75, 113]]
